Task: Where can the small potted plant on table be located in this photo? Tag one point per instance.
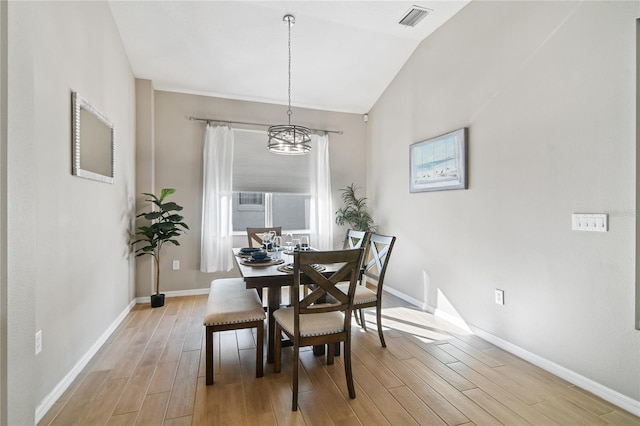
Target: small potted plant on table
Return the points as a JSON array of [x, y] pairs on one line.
[[165, 226]]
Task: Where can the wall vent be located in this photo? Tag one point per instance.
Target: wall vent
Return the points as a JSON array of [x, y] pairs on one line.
[[414, 16]]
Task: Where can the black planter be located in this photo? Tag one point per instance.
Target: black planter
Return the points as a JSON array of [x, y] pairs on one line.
[[157, 300]]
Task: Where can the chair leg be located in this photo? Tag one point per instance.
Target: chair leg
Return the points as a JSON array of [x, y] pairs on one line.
[[209, 354], [294, 405], [277, 355], [362, 323], [330, 354], [259, 349], [347, 367], [336, 349], [379, 321]]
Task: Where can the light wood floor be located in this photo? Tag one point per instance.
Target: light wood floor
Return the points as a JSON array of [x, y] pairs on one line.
[[151, 371]]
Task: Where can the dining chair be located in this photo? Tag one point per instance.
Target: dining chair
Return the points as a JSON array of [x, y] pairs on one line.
[[311, 320], [376, 261], [355, 239], [254, 235]]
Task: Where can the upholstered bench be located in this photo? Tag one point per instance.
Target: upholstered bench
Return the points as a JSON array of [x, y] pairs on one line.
[[232, 306]]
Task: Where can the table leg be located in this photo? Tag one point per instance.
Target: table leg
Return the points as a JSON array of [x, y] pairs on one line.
[[318, 350], [274, 295]]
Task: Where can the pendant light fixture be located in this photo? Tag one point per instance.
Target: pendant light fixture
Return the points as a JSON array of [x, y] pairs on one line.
[[289, 139]]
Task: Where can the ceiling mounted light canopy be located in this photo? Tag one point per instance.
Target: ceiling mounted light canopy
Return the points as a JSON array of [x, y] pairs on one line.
[[289, 139]]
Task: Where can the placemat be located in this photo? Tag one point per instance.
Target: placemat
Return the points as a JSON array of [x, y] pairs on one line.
[[248, 262], [288, 268]]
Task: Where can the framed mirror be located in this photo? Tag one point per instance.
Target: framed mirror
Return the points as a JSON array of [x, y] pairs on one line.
[[93, 142]]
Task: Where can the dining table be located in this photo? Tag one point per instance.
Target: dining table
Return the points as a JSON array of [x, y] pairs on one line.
[[272, 275]]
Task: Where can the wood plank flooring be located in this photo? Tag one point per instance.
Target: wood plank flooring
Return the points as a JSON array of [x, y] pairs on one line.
[[151, 371]]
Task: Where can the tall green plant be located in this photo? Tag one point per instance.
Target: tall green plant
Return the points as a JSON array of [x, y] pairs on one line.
[[165, 225], [354, 213]]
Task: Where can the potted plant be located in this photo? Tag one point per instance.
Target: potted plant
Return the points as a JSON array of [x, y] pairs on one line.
[[354, 213], [165, 225]]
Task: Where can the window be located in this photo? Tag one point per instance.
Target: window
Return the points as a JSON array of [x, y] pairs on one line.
[[255, 209], [250, 199], [268, 189]]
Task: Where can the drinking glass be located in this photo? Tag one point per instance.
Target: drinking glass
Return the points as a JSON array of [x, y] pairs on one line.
[[277, 242], [266, 239], [288, 240], [296, 243], [304, 243]]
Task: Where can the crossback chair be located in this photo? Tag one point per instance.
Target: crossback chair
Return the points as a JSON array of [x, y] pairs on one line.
[[255, 234], [312, 320], [376, 261], [355, 239]]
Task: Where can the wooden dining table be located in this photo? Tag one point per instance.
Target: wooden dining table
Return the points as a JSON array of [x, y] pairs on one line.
[[270, 277]]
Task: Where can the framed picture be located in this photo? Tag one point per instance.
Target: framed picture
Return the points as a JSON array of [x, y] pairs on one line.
[[439, 163]]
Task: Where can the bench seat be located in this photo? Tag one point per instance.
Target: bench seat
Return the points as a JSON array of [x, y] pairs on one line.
[[231, 306]]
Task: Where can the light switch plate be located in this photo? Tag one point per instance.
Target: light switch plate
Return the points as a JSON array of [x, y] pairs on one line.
[[594, 222]]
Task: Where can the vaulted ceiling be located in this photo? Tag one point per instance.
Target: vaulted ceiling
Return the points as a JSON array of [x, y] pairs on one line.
[[344, 53]]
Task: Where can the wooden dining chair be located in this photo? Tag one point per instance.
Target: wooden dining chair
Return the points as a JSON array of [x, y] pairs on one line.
[[311, 320], [376, 261], [355, 239], [254, 235]]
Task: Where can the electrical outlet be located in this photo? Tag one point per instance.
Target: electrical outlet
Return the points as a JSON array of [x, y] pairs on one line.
[[38, 342], [176, 265], [499, 297]]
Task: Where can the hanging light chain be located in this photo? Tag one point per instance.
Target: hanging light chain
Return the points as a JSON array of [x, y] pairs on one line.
[[289, 22], [289, 139]]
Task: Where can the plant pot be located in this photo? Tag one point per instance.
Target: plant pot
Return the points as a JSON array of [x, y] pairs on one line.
[[157, 300]]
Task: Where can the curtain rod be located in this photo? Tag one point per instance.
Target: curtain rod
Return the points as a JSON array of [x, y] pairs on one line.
[[213, 120]]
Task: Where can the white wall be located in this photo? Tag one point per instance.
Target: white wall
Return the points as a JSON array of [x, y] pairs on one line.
[[69, 270], [547, 90], [3, 212], [176, 154]]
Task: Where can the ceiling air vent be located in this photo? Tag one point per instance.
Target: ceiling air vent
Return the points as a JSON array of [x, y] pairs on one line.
[[413, 16]]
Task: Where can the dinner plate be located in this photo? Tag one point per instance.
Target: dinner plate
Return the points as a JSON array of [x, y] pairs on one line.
[[252, 260], [248, 250], [289, 266]]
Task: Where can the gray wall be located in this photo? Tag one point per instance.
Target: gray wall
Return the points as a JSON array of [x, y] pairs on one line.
[[3, 212], [69, 271], [176, 153], [547, 90]]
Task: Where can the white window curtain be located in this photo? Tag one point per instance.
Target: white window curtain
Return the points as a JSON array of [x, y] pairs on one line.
[[217, 197], [321, 206]]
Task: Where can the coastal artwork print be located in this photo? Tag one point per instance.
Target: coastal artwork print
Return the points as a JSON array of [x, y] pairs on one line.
[[439, 163]]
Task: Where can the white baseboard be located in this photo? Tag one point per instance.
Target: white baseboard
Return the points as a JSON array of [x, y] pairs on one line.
[[409, 299], [62, 386], [177, 293], [614, 397]]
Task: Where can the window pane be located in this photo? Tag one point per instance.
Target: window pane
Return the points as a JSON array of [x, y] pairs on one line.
[[248, 210], [291, 211]]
